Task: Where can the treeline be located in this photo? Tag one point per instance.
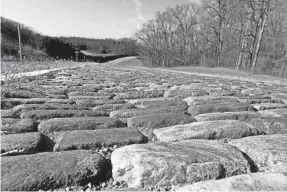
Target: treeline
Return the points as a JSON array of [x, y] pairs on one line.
[[249, 34], [36, 46], [124, 46]]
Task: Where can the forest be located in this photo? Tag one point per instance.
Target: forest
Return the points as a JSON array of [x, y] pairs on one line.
[[239, 34]]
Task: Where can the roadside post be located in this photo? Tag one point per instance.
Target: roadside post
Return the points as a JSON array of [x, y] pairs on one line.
[[20, 47]]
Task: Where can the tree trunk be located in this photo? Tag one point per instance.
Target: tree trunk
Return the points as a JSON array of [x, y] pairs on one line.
[[282, 68], [243, 47], [260, 34]]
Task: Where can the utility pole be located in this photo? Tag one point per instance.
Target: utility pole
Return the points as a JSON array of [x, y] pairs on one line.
[[20, 47]]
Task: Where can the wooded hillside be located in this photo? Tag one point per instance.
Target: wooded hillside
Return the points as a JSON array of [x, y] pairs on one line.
[[31, 40], [36, 45], [248, 34]]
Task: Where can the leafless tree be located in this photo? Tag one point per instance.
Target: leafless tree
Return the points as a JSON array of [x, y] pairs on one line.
[[221, 33]]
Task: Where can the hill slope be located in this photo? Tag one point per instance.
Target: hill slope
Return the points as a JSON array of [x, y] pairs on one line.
[[31, 40], [37, 46]]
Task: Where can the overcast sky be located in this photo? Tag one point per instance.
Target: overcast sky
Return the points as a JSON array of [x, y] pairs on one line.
[[85, 18]]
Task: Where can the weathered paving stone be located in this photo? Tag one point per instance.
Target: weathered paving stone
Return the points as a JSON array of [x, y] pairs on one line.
[[254, 91], [50, 170], [114, 107], [209, 100], [185, 93], [79, 123], [57, 97], [245, 116], [245, 182], [95, 103], [73, 83], [127, 113], [78, 93], [140, 94], [61, 101], [144, 101], [282, 97], [220, 107], [93, 139], [264, 106], [221, 93], [24, 143], [256, 97], [56, 90], [12, 102], [153, 104], [47, 106], [22, 94], [220, 129], [87, 88], [258, 101], [268, 152], [116, 90], [10, 125], [147, 123], [9, 113], [75, 98], [270, 126], [273, 113], [49, 114], [177, 163]]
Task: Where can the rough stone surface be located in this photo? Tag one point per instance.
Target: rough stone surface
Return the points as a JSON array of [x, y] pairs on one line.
[[61, 101], [245, 116], [50, 170], [269, 152], [49, 114], [221, 107], [127, 113], [185, 93], [140, 94], [147, 123], [92, 139], [126, 90], [12, 102], [75, 98], [166, 164], [259, 101], [47, 106], [78, 93], [7, 113], [94, 103], [209, 100], [220, 129], [143, 101], [280, 96], [114, 107], [161, 103], [270, 126], [79, 123], [264, 106], [25, 142], [10, 125], [21, 94], [274, 113], [246, 182]]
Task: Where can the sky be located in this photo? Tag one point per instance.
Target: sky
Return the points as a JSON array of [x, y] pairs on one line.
[[85, 18]]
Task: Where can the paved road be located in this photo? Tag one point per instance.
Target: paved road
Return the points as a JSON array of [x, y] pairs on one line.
[[116, 125]]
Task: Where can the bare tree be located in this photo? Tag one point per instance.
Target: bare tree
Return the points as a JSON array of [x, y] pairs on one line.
[[222, 33]]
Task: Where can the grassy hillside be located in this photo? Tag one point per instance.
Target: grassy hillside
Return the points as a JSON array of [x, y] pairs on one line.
[[36, 46], [31, 41]]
